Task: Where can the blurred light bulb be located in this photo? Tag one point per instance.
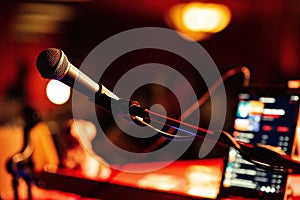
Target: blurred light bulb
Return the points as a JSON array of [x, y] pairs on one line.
[[294, 84], [57, 92], [199, 20]]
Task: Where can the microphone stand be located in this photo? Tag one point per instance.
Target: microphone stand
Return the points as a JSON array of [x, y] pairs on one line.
[[263, 156], [21, 164]]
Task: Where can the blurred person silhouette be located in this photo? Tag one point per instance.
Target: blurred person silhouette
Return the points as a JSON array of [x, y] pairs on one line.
[[77, 152]]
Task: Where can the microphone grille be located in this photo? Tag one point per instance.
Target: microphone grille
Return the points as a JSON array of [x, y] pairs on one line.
[[52, 63]]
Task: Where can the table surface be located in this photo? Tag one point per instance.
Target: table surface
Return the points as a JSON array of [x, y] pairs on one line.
[[191, 178]]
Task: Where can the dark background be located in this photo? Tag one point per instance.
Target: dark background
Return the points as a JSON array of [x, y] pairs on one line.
[[262, 35]]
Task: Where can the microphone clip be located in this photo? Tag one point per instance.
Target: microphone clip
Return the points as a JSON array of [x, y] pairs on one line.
[[128, 107]]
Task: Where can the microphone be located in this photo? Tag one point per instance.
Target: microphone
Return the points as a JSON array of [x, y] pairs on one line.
[[53, 64]]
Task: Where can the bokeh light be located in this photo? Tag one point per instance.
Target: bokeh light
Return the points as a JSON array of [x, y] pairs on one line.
[[57, 92], [199, 20]]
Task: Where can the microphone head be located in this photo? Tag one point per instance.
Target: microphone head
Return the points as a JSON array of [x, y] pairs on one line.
[[52, 63]]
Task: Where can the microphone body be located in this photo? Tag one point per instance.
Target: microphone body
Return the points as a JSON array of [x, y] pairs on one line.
[[53, 64], [83, 83]]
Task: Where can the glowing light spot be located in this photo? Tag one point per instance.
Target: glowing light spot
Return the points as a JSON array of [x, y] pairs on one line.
[[199, 20], [294, 84], [57, 92]]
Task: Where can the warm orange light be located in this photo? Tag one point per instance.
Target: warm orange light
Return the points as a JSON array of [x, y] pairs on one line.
[[294, 84], [199, 20], [203, 181], [296, 147], [160, 182], [91, 164]]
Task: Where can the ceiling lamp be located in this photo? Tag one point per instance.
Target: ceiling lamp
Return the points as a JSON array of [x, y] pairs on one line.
[[199, 20]]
